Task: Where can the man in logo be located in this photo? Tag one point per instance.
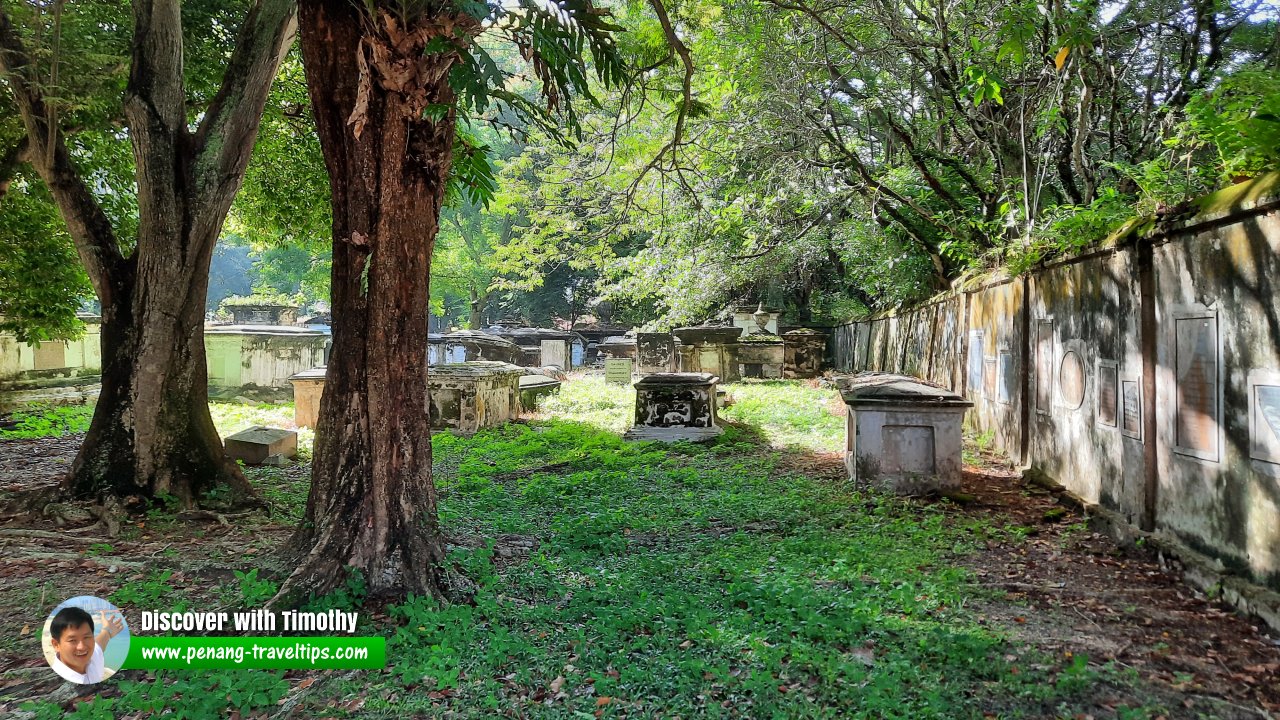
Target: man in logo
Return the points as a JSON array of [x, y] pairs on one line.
[[77, 652]]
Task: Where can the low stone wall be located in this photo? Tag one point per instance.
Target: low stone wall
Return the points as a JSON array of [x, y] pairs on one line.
[[260, 356], [1143, 377]]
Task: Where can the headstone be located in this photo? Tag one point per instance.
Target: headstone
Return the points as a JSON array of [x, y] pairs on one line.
[[255, 445], [656, 352], [1071, 380], [1044, 364], [1265, 443], [1131, 396], [1008, 378], [617, 370], [976, 341]]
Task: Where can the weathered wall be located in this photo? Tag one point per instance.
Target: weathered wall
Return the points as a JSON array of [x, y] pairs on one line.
[[239, 358], [72, 358], [1144, 377]]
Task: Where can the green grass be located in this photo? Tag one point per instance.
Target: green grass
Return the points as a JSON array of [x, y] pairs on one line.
[[39, 421], [669, 580], [789, 413]]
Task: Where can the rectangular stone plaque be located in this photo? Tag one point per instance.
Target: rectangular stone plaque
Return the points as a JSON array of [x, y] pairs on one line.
[[1044, 364], [655, 352], [989, 377], [907, 449], [555, 353], [618, 370], [1008, 379], [1131, 396], [1265, 444], [1196, 375], [976, 338], [1108, 393]]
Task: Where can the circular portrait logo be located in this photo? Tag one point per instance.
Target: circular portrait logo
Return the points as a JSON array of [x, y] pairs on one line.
[[85, 639]]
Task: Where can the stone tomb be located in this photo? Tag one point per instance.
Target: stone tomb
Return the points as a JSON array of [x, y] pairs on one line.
[[618, 347], [535, 387], [675, 406], [760, 355], [804, 354], [709, 349], [308, 386], [901, 434], [471, 345], [260, 445], [466, 397]]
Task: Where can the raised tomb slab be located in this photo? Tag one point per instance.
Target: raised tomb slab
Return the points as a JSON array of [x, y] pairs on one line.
[[675, 406], [902, 434]]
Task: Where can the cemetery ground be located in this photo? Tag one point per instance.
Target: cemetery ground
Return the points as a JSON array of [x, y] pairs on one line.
[[741, 578]]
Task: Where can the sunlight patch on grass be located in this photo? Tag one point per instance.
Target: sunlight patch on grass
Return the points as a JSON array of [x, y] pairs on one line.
[[790, 413]]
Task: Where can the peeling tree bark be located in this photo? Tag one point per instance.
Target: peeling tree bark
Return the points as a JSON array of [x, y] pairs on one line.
[[372, 505]]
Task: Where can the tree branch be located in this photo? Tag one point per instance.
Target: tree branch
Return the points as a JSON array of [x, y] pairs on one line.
[[87, 223], [226, 136]]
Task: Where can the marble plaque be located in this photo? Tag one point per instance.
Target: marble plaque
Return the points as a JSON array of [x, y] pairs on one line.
[[1071, 380], [989, 377], [1196, 366], [976, 338], [1108, 394], [1265, 444], [1131, 397], [1044, 364], [1008, 379]]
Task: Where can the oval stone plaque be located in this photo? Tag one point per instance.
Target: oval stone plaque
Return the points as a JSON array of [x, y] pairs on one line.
[[1071, 379]]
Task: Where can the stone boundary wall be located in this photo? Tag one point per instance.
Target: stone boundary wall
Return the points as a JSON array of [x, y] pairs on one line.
[[1143, 377]]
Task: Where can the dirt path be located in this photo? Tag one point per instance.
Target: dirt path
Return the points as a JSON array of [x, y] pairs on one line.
[[1070, 590]]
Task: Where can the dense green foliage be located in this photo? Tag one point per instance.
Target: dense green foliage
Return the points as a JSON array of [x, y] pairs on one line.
[[844, 156], [828, 159]]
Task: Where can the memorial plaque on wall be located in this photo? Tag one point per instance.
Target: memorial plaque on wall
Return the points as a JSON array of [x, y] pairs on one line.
[[1196, 366], [1131, 398], [1265, 444], [989, 377], [1071, 380], [1044, 364], [1008, 379], [975, 361], [617, 370], [1108, 394]]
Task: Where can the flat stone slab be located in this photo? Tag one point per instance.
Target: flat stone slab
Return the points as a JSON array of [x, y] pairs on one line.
[[708, 334], [255, 445], [874, 388], [662, 379], [673, 434]]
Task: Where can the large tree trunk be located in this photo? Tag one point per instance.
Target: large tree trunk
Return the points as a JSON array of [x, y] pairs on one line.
[[372, 505], [151, 433]]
